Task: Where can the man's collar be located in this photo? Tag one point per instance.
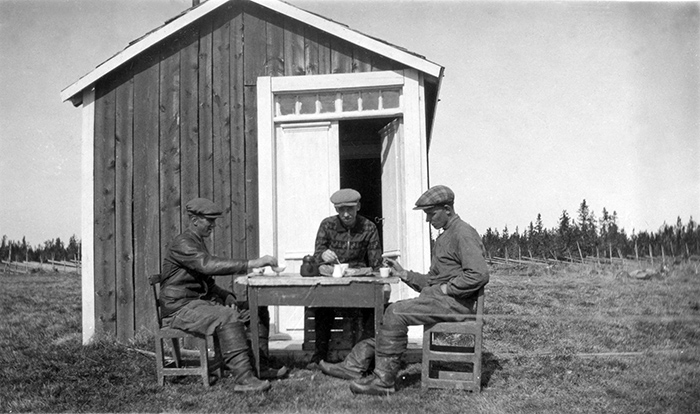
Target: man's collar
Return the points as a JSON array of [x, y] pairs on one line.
[[450, 221]]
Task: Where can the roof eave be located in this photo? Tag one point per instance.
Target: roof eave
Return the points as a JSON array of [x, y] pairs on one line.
[[392, 52]]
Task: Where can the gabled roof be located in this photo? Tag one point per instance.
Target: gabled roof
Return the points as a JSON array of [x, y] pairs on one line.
[[193, 14]]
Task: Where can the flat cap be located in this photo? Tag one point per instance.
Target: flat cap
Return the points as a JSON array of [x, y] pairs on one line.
[[203, 207], [345, 197], [435, 196]]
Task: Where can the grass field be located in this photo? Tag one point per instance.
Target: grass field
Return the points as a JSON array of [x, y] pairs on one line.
[[569, 340]]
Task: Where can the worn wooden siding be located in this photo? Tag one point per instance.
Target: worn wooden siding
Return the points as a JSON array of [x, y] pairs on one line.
[[180, 122]]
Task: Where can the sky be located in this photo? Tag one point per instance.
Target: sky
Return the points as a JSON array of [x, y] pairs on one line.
[[543, 104]]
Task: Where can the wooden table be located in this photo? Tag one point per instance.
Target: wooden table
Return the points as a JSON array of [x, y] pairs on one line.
[[294, 290]]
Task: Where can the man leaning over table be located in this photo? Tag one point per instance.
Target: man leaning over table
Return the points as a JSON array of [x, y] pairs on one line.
[[343, 238], [447, 292], [192, 302]]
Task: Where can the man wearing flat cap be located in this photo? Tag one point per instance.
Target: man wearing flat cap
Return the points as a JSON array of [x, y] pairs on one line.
[[344, 238], [447, 292], [192, 302]]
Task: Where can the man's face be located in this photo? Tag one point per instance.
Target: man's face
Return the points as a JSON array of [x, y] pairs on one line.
[[437, 216], [348, 214], [203, 226]]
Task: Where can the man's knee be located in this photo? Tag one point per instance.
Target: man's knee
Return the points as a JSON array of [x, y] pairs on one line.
[[393, 320]]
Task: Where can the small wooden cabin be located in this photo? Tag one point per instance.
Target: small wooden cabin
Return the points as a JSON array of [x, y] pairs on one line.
[[264, 108]]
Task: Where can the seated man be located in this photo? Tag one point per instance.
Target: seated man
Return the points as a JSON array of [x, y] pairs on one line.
[[344, 238], [192, 302], [448, 291]]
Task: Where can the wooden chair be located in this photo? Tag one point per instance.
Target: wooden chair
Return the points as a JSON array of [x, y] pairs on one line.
[[180, 366], [446, 366]]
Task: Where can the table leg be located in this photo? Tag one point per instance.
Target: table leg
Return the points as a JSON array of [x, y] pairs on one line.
[[254, 327], [378, 308]]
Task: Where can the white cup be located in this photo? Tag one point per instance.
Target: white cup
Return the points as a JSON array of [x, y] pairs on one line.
[[384, 271], [339, 269]]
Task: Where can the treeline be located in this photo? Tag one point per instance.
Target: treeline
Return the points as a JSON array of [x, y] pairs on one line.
[[589, 236], [54, 249]]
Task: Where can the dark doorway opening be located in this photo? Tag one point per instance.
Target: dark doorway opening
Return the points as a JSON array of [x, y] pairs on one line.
[[361, 165]]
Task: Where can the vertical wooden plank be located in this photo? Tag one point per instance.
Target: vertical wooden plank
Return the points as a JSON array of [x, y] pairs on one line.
[[206, 160], [251, 171], [311, 50], [341, 56], [294, 58], [275, 60], [169, 148], [87, 213], [105, 250], [124, 215], [238, 176], [324, 53], [146, 200], [255, 51], [361, 60], [254, 56], [221, 117], [189, 129]]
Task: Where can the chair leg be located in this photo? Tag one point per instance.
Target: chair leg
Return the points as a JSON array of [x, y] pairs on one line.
[[176, 352], [203, 360], [160, 361], [218, 357], [426, 357]]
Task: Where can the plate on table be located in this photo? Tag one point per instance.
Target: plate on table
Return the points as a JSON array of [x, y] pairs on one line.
[[360, 271]]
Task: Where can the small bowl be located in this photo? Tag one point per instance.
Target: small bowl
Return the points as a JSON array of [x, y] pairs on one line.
[[278, 269]]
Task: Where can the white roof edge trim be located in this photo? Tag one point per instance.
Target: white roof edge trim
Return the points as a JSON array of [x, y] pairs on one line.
[[337, 29], [208, 6], [138, 47]]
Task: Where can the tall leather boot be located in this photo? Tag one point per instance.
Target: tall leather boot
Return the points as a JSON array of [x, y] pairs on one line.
[[267, 371], [235, 351], [355, 364], [391, 344], [323, 319]]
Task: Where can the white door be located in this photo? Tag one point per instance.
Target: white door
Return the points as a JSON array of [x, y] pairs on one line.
[[307, 172], [393, 182]]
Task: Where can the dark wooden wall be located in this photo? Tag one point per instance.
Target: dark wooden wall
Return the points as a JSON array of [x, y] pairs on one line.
[[180, 122]]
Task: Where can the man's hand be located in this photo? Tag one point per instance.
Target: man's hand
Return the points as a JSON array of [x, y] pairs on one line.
[[262, 262], [230, 301], [329, 256], [398, 270]]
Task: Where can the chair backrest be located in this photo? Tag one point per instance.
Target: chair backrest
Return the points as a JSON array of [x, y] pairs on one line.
[[480, 306], [154, 280]]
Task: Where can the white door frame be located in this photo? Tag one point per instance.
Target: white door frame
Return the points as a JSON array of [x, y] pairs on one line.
[[413, 151]]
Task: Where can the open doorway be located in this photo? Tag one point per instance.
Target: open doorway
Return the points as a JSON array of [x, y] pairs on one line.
[[361, 166]]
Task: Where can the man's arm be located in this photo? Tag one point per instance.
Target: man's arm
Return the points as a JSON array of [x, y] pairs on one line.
[[374, 248], [190, 255], [322, 244], [475, 272], [414, 280]]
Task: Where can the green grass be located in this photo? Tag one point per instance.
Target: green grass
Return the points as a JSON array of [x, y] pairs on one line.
[[554, 343]]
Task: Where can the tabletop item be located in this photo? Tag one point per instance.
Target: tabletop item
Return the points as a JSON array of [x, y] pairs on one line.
[[339, 269], [309, 267], [384, 271]]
